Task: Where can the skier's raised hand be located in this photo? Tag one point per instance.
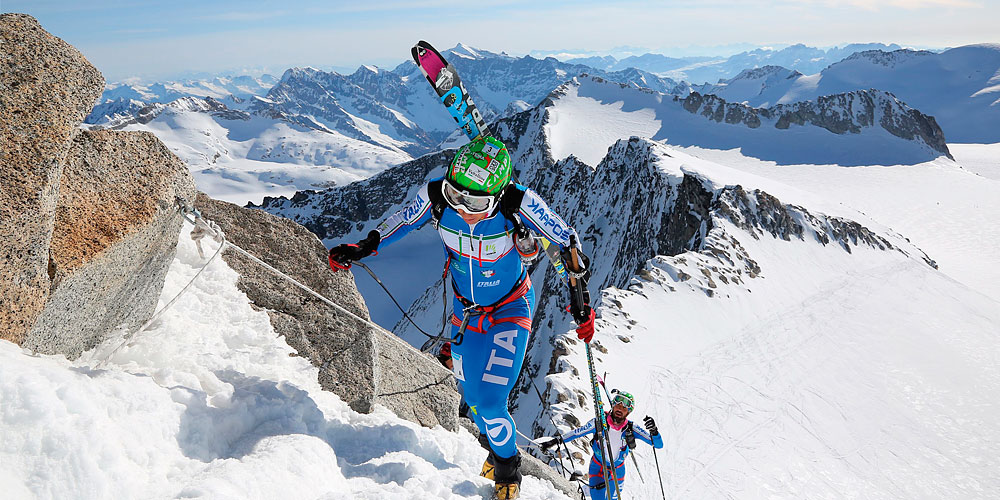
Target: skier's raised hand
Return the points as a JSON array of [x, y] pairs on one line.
[[341, 256], [546, 442], [650, 425]]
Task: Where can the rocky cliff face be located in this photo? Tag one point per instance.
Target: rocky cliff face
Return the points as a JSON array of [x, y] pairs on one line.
[[89, 219], [116, 226], [47, 89], [362, 365]]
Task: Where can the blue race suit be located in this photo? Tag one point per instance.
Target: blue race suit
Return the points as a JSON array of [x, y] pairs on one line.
[[598, 491], [487, 271]]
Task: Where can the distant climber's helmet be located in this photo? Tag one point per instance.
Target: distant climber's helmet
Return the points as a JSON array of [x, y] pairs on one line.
[[622, 398], [477, 176]]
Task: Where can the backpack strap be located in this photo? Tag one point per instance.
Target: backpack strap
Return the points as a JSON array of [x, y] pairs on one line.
[[510, 203], [438, 203]]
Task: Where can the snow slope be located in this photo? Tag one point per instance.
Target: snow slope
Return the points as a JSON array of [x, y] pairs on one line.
[[947, 210], [209, 403], [834, 376], [244, 158], [983, 159]]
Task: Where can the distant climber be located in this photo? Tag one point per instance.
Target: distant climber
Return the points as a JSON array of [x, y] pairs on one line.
[[621, 434]]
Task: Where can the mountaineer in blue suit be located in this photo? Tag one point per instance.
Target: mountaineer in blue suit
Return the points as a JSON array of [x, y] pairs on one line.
[[483, 220], [621, 434]]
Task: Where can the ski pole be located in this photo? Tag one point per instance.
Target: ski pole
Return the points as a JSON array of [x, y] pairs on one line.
[[658, 475]]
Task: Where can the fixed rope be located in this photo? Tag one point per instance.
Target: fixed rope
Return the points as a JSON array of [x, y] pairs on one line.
[[204, 227], [201, 229]]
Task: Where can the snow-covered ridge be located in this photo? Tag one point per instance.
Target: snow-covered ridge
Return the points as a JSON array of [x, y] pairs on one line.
[[701, 70], [240, 156], [888, 59], [850, 112], [336, 102], [119, 114], [589, 113], [398, 109], [220, 87], [764, 72]]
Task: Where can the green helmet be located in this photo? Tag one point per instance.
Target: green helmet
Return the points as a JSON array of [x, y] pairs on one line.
[[482, 166], [623, 398]]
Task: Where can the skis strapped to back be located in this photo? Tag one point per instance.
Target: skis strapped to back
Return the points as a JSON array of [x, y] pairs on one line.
[[445, 81]]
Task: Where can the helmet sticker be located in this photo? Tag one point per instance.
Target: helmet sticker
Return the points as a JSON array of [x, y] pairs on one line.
[[477, 173]]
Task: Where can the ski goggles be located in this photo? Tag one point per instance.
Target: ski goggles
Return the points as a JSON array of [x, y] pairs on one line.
[[471, 203], [623, 398]]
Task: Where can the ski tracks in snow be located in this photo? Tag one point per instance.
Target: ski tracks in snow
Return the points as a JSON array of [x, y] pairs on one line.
[[812, 401]]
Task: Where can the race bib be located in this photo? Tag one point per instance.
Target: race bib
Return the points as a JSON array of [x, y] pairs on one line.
[[456, 360]]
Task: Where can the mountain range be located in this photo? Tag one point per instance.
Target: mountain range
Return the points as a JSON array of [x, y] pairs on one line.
[[700, 70], [313, 128]]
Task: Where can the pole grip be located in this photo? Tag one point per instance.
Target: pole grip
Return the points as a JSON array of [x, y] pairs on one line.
[[574, 265]]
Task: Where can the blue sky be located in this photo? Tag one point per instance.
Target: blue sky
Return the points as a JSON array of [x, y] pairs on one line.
[[157, 39]]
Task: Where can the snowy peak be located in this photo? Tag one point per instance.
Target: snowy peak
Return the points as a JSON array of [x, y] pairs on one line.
[[764, 72], [345, 104], [888, 59], [466, 52]]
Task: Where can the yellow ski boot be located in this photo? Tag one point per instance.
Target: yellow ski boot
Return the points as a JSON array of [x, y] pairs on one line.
[[506, 491], [488, 468]]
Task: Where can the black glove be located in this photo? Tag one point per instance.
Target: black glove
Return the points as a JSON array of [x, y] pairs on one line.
[[341, 256], [650, 425], [629, 436], [549, 442]]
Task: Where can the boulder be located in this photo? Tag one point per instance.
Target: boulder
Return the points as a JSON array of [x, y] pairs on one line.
[[115, 233], [89, 220], [361, 364], [47, 89]]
